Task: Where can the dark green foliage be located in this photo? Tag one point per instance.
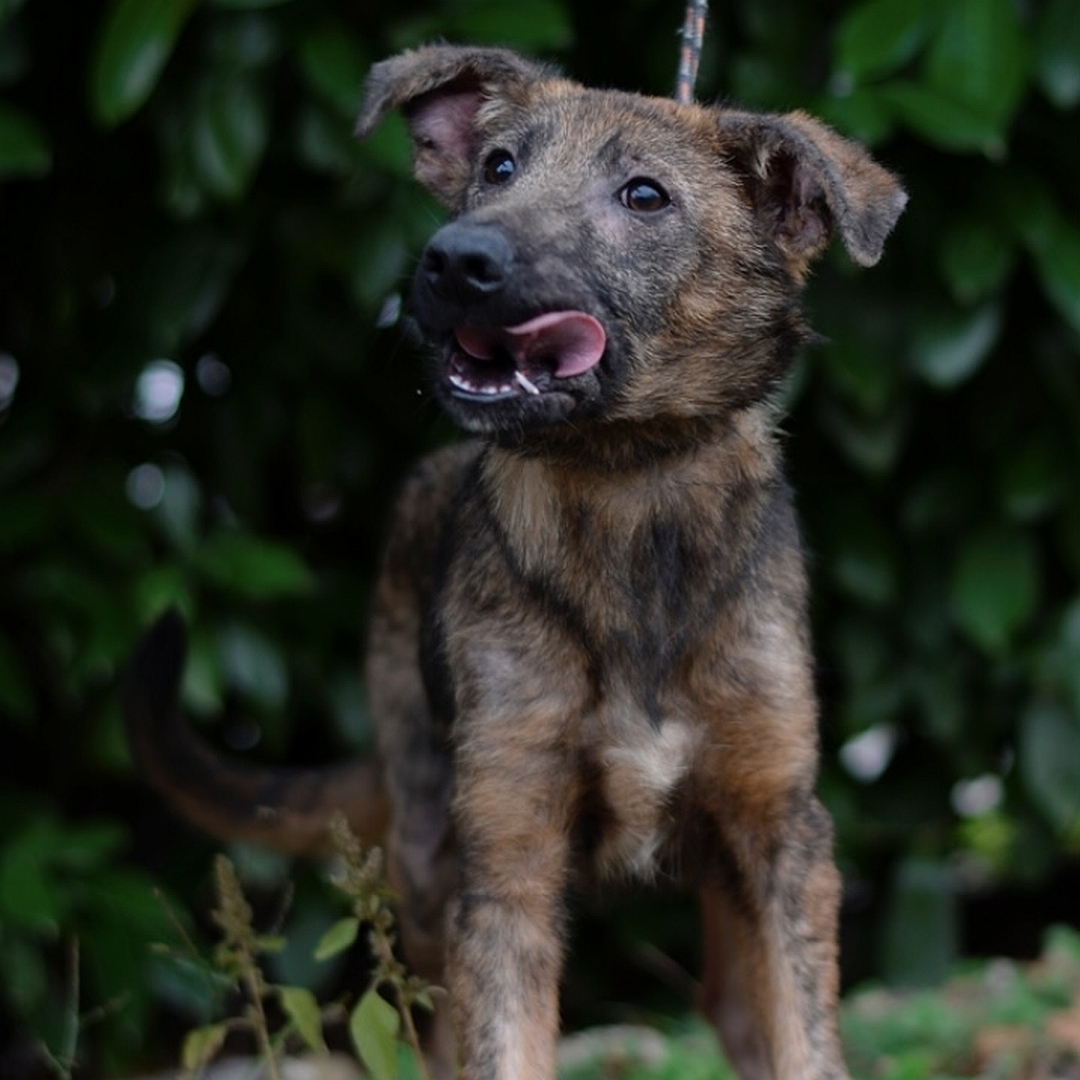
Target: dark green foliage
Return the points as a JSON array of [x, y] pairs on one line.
[[182, 207]]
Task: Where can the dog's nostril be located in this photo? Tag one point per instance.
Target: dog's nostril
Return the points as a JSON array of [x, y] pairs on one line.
[[480, 270], [466, 263]]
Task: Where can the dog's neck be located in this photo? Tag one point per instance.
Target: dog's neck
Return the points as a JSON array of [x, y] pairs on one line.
[[537, 497], [609, 448]]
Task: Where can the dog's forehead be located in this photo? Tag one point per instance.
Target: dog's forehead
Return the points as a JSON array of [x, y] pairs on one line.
[[607, 127]]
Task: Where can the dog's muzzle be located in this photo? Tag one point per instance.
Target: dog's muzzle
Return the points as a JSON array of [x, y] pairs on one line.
[[497, 348]]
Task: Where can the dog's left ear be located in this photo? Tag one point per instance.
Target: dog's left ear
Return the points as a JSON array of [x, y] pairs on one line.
[[807, 182], [441, 89]]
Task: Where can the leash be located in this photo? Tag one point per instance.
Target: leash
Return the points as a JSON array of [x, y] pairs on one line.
[[693, 33]]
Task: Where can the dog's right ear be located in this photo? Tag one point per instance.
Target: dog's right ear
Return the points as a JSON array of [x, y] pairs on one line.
[[441, 89], [807, 182]]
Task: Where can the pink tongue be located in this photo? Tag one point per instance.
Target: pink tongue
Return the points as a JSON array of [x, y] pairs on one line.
[[573, 339]]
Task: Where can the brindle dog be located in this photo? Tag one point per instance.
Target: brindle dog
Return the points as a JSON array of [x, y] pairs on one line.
[[589, 650]]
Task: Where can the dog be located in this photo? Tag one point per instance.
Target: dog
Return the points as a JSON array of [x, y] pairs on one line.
[[589, 654]]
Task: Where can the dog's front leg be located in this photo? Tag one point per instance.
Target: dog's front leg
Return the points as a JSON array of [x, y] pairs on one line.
[[506, 923], [770, 919]]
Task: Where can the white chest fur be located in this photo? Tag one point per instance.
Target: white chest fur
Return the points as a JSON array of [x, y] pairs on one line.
[[638, 776]]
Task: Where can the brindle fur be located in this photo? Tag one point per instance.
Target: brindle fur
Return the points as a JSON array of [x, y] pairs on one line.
[[589, 651]]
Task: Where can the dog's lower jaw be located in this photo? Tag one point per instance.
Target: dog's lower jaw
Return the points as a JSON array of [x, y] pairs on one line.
[[505, 421], [508, 413]]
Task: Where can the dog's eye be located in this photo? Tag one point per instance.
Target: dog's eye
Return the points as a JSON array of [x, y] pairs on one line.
[[644, 196], [499, 167]]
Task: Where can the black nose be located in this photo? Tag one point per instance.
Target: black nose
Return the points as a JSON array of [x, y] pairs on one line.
[[466, 263]]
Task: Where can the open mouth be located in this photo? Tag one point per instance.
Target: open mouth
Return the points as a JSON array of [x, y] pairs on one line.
[[492, 363]]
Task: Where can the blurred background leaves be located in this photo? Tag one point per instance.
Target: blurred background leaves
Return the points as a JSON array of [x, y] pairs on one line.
[[208, 394]]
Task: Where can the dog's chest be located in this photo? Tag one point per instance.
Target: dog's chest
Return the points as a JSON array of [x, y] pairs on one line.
[[617, 755], [600, 608], [633, 792]]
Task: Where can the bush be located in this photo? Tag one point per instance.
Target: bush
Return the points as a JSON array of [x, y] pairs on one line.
[[206, 397]]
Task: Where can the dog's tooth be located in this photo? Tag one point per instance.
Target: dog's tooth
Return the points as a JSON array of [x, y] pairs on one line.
[[523, 381]]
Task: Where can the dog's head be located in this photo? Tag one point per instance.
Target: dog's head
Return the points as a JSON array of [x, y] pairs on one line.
[[614, 257]]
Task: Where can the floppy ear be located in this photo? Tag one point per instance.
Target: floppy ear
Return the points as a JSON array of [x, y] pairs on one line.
[[807, 182], [441, 89]]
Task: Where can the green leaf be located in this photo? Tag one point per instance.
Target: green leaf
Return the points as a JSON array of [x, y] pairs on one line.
[[373, 1027], [859, 361], [862, 556], [325, 143], [252, 566], [135, 45], [1050, 762], [201, 1046], [880, 36], [183, 285], [942, 500], [254, 665], [949, 347], [179, 509], [873, 689], [940, 692], [335, 63], [1068, 536], [303, 1010], [1058, 260], [29, 893], [381, 259], [1058, 661], [979, 58], [942, 120], [245, 42], [389, 145], [272, 944], [526, 24], [230, 132], [24, 146], [873, 443], [129, 899], [857, 112], [1057, 53], [203, 688], [8, 8], [1024, 202], [246, 5], [27, 521], [976, 258], [1062, 943], [26, 976], [163, 586], [83, 848], [16, 694], [337, 939], [995, 587], [15, 56], [1035, 476]]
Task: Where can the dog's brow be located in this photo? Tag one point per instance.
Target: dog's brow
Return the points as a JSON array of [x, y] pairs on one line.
[[612, 154], [618, 154]]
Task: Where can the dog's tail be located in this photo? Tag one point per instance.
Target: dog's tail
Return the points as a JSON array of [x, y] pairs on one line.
[[285, 809]]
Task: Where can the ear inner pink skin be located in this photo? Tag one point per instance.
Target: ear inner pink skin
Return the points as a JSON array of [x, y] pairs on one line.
[[446, 120], [573, 339]]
